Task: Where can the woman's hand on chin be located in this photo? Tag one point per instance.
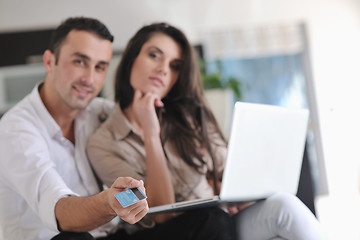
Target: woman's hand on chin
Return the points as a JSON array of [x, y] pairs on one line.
[[143, 106]]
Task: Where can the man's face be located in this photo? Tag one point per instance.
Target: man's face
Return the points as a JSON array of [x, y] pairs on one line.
[[79, 73]]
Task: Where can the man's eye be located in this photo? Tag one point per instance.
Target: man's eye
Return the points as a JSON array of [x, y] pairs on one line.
[[79, 61], [100, 68]]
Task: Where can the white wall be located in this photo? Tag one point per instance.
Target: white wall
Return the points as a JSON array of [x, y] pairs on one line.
[[334, 36], [121, 16]]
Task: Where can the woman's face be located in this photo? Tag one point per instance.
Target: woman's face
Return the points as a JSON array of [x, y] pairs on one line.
[[157, 67]]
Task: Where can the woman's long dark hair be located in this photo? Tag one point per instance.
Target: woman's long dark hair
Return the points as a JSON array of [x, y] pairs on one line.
[[186, 120]]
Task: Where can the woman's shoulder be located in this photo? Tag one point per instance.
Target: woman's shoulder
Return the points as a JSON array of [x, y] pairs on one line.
[[112, 129]]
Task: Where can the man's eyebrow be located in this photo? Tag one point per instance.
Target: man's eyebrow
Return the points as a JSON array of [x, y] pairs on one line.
[[89, 59], [82, 56]]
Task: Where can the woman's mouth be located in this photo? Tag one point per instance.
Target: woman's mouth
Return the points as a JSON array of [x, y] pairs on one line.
[[157, 81]]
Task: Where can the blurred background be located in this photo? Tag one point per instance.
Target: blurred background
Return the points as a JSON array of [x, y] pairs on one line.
[[292, 53]]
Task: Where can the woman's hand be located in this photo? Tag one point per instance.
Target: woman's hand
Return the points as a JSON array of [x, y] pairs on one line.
[[237, 207], [158, 181], [145, 113]]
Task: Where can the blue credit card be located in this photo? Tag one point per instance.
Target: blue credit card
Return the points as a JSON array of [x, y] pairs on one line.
[[130, 196]]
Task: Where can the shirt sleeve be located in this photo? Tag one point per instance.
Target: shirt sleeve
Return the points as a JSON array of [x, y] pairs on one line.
[[27, 169]]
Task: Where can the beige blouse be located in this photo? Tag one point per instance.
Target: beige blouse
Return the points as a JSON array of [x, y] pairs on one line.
[[116, 150]]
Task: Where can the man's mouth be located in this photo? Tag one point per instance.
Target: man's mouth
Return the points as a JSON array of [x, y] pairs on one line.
[[83, 91]]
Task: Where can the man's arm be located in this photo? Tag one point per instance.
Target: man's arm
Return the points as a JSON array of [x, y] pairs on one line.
[[87, 213]]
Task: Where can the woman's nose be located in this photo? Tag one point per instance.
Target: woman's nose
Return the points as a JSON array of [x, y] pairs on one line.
[[163, 68]]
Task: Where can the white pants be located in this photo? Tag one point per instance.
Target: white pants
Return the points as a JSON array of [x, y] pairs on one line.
[[281, 215]]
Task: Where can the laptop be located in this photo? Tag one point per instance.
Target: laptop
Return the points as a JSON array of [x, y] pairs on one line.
[[264, 156]]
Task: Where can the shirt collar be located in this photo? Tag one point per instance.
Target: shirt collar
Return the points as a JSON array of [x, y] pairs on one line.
[[82, 117], [121, 127], [51, 125]]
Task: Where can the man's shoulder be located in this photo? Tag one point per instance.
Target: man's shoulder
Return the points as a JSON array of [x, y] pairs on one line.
[[30, 108], [98, 111], [99, 104], [23, 112]]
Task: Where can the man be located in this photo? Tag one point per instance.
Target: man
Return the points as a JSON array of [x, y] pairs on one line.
[[46, 183]]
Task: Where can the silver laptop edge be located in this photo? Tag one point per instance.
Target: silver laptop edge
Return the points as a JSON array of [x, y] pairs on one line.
[[245, 135]]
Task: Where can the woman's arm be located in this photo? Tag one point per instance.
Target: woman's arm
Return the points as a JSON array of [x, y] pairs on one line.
[[158, 182], [158, 179]]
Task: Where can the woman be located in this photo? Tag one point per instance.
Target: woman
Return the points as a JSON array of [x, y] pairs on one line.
[[163, 133]]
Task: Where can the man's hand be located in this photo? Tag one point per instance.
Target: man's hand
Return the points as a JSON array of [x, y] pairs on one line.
[[133, 213]]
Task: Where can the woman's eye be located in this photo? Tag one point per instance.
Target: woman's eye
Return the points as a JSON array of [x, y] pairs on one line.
[[153, 55], [176, 67]]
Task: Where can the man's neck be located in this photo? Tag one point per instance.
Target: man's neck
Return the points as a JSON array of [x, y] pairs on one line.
[[63, 115], [68, 131]]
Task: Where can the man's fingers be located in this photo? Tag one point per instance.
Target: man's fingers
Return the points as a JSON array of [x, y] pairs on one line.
[[141, 210], [141, 214], [135, 212], [126, 182], [142, 187]]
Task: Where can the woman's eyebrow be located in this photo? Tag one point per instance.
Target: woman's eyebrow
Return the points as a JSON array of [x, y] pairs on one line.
[[161, 52], [156, 49]]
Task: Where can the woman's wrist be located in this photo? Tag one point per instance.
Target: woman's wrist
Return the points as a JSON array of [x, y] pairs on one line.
[[151, 137]]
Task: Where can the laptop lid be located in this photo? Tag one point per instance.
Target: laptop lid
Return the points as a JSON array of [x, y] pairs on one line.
[[265, 151], [264, 156]]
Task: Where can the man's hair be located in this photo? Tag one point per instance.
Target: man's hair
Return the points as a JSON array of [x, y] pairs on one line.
[[81, 24]]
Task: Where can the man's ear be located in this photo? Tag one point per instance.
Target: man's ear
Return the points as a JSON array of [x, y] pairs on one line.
[[49, 60]]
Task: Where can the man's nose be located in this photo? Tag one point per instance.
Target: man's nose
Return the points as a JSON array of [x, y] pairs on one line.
[[88, 76]]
